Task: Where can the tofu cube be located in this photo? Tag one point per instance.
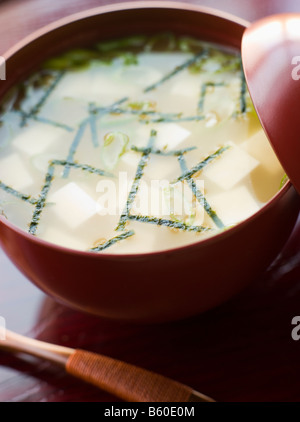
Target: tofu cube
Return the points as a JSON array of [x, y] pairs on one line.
[[131, 159], [186, 87], [169, 136], [258, 146], [233, 206], [149, 200], [73, 205], [230, 168], [14, 173], [55, 110], [36, 138], [74, 85]]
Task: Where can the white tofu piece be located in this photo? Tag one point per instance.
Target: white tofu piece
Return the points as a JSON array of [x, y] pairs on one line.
[[162, 200], [259, 147], [150, 200], [220, 100], [186, 87], [143, 76], [166, 62], [131, 159], [169, 136], [230, 168], [211, 119], [67, 111], [36, 138], [74, 85], [233, 206], [106, 90], [181, 202], [97, 84], [53, 235], [73, 205], [123, 189], [211, 65], [14, 173]]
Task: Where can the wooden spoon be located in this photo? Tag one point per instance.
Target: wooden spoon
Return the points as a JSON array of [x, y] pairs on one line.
[[125, 381]]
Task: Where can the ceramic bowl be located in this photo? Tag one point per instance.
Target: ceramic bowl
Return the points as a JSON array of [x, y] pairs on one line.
[[152, 287]]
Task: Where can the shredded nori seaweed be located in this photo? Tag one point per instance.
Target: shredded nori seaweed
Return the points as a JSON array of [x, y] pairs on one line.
[[112, 241], [203, 93], [36, 108], [202, 55], [42, 200], [17, 194], [168, 223], [199, 195], [174, 152], [243, 91], [136, 182], [188, 173]]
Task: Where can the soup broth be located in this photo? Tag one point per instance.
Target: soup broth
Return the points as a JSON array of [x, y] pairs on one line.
[[134, 145]]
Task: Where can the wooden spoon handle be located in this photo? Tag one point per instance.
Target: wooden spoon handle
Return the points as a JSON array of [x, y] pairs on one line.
[[129, 382]]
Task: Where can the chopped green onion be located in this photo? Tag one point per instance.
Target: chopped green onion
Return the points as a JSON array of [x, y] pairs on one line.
[[283, 181], [115, 145]]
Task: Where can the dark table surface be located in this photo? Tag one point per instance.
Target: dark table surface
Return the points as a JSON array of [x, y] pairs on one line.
[[241, 351]]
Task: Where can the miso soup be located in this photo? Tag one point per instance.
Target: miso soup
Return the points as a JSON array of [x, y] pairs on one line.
[[134, 145]]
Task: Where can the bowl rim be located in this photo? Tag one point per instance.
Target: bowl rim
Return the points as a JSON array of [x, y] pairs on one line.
[[119, 7]]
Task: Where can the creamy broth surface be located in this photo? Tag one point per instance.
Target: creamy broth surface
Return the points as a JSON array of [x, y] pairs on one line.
[[134, 145]]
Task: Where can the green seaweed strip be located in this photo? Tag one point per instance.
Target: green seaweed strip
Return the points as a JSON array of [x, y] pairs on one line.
[[93, 126], [42, 200], [35, 109], [93, 114], [136, 182], [157, 117], [144, 113], [17, 194], [203, 93], [176, 119], [52, 123], [40, 203], [113, 108], [26, 116], [243, 91], [168, 223], [74, 146], [203, 54], [187, 174], [84, 167], [112, 241], [44, 98], [174, 153], [199, 196]]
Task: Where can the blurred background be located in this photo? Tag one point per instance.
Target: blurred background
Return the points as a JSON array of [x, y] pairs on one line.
[[20, 17]]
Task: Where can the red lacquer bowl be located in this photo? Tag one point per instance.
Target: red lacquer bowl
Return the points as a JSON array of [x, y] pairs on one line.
[[160, 286]]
